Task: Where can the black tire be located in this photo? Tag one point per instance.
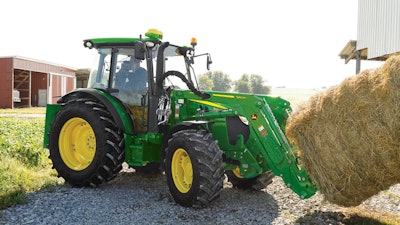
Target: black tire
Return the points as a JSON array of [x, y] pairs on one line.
[[86, 146], [255, 183], [194, 168]]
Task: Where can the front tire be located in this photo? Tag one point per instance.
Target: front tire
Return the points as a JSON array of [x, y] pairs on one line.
[[86, 146], [194, 168]]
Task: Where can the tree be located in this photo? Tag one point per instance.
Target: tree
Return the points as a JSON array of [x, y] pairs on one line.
[[251, 84], [205, 83], [220, 80], [242, 85], [257, 86]]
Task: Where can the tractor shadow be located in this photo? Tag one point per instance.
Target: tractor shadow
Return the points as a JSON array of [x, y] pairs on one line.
[[239, 206]]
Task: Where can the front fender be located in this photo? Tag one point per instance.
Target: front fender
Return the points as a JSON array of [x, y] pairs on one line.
[[185, 125]]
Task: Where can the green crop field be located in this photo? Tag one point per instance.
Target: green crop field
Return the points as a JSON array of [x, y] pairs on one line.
[[24, 163]]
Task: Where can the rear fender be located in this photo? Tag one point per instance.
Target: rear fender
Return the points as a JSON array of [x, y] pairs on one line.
[[117, 109]]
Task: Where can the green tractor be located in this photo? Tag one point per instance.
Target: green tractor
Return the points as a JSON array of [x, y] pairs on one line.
[[142, 107]]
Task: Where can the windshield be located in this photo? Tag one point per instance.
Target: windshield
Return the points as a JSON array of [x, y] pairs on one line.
[[100, 71], [174, 61]]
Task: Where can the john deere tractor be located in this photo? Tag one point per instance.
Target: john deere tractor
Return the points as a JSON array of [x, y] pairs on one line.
[[164, 123]]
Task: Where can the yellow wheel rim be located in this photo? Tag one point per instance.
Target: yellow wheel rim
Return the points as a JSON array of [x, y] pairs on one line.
[[236, 172], [182, 170], [77, 144]]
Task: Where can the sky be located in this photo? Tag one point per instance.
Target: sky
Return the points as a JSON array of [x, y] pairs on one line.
[[289, 43]]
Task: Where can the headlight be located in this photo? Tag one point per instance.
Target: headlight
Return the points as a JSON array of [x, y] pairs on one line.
[[88, 44]]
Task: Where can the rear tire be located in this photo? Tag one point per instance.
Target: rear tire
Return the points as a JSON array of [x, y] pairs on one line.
[[194, 168], [86, 146]]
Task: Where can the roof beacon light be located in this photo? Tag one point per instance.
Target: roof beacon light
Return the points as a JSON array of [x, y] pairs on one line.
[[154, 34], [193, 42]]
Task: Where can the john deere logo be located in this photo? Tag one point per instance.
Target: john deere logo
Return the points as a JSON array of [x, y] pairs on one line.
[[253, 116]]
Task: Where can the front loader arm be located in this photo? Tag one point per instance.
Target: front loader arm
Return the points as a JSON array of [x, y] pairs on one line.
[[279, 154]]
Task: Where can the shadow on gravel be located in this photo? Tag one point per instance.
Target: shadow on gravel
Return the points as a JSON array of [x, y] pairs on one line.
[[135, 198], [319, 217], [234, 206]]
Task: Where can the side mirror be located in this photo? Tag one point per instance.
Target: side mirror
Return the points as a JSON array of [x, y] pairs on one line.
[[139, 50], [209, 61]]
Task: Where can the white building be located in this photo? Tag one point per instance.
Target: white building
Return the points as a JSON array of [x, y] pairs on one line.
[[378, 32]]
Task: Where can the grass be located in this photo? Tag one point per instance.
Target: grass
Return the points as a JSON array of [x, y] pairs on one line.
[[17, 179], [32, 110], [24, 163]]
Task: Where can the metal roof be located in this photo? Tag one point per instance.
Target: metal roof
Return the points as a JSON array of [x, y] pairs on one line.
[[349, 52], [38, 61]]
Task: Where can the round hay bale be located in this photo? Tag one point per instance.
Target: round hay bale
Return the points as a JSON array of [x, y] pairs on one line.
[[348, 136]]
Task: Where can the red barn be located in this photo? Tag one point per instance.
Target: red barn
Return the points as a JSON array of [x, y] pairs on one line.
[[32, 83]]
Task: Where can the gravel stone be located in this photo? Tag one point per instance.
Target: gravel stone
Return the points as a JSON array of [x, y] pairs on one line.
[[135, 198]]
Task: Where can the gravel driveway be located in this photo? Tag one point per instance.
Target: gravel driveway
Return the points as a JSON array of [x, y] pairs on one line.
[[134, 198]]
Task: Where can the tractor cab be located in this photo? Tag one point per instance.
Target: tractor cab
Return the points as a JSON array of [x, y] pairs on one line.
[[137, 71]]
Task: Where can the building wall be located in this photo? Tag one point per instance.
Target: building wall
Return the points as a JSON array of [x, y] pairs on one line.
[[81, 83], [70, 84], [60, 85], [38, 82], [378, 27], [6, 72], [56, 93]]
